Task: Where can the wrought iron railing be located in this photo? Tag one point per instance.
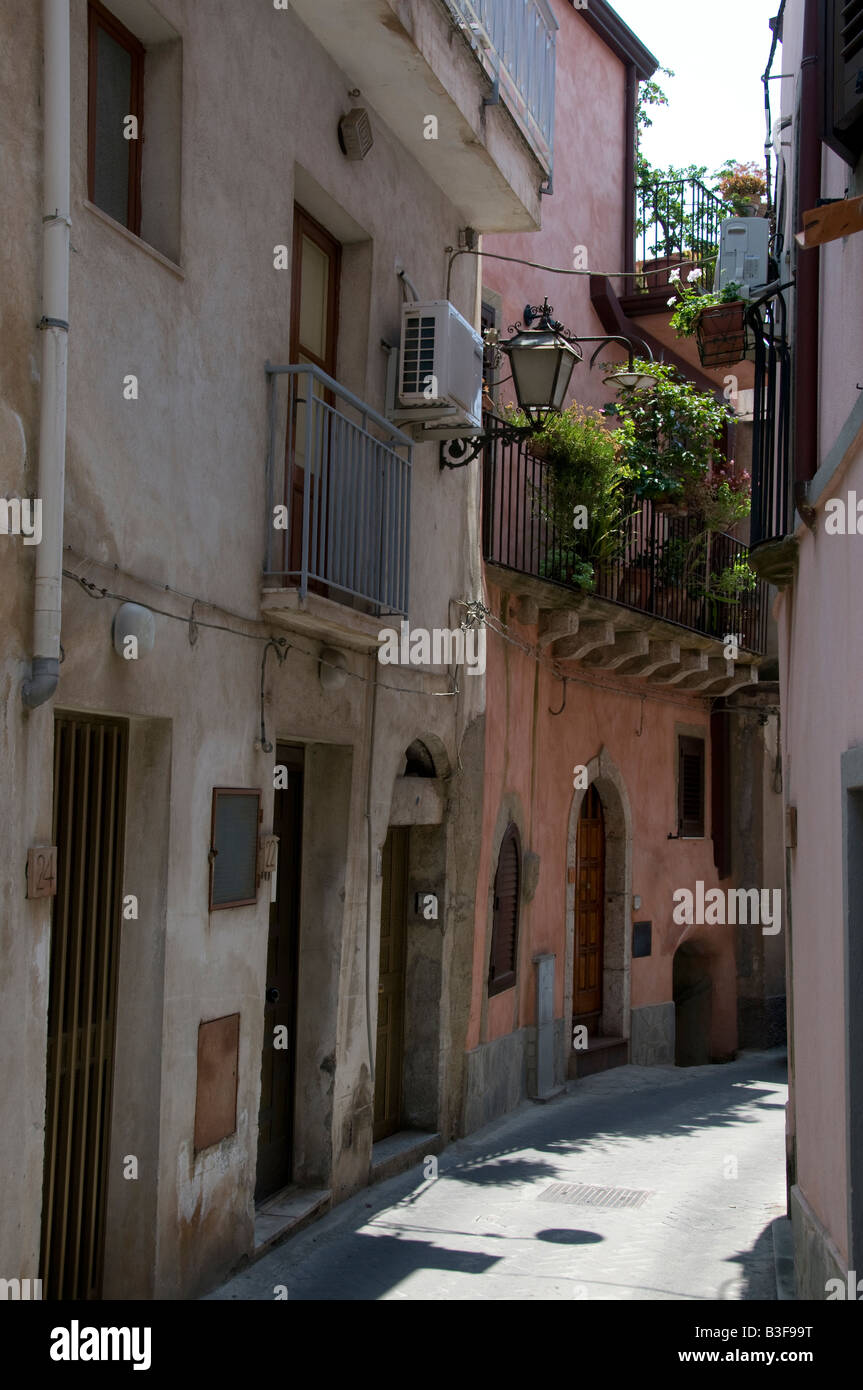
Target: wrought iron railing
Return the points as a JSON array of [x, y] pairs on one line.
[[771, 429], [338, 493], [515, 40], [676, 222], [662, 564]]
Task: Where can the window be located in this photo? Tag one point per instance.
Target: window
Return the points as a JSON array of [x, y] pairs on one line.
[[690, 788], [504, 928], [234, 847], [116, 92], [135, 68], [843, 78]]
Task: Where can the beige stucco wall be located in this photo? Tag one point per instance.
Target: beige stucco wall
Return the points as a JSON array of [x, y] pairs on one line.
[[170, 488]]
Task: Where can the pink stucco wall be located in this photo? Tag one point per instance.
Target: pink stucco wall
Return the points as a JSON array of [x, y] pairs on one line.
[[586, 208], [530, 754]]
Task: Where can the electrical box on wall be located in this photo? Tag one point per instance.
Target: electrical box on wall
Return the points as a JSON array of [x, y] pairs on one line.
[[439, 370], [743, 254]]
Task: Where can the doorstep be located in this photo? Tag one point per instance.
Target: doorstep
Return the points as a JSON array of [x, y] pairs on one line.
[[601, 1054], [401, 1151], [287, 1212]]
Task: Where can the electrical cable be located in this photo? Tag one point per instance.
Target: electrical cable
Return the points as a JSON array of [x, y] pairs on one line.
[[534, 265]]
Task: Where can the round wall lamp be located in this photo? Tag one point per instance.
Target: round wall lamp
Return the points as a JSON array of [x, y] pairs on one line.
[[332, 668], [133, 621]]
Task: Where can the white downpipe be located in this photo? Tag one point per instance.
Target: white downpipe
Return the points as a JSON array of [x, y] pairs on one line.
[[42, 682]]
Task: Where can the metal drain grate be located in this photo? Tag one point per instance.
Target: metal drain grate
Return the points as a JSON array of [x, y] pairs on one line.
[[582, 1194]]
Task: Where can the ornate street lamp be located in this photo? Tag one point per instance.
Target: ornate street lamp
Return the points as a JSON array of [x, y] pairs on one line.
[[542, 355], [542, 359]]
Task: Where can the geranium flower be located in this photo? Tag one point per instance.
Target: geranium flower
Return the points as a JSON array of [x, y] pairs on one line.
[[674, 277], [694, 275]]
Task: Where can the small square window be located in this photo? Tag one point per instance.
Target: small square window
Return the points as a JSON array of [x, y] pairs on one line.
[[234, 848]]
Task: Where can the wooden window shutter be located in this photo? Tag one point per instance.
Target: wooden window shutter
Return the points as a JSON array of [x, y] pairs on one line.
[[690, 788], [843, 78], [504, 930], [720, 791]]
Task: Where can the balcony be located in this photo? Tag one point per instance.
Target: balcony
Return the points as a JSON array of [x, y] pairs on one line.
[[656, 612], [515, 41], [676, 226], [338, 509], [774, 547], [483, 69]]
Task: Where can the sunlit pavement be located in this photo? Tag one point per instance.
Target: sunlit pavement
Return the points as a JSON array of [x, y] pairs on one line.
[[701, 1149]]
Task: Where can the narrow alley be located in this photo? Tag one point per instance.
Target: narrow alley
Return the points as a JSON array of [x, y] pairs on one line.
[[660, 1183]]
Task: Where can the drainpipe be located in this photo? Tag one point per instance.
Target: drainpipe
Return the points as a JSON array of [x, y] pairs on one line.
[[41, 684], [808, 262]]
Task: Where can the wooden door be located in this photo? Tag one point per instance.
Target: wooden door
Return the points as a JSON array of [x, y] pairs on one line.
[[90, 757], [589, 912], [278, 1060], [315, 274], [391, 984]]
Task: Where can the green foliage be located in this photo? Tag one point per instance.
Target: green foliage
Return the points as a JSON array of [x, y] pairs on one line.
[[740, 184], [671, 436], [585, 472], [691, 301], [734, 581]]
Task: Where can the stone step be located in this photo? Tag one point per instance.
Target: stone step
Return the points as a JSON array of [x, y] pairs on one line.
[[601, 1054]]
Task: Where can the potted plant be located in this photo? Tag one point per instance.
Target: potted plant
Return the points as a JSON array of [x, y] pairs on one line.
[[581, 493], [742, 186], [716, 320]]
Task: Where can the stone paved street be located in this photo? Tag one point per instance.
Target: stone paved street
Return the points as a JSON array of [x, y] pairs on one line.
[[494, 1226]]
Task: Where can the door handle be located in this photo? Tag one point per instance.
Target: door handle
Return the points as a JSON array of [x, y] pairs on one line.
[[272, 995]]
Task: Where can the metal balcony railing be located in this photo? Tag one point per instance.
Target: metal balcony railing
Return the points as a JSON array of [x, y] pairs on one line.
[[676, 223], [338, 493], [515, 40], [664, 565], [771, 429]]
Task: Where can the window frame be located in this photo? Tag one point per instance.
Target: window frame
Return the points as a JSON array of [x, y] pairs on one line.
[[690, 745], [232, 791], [507, 980], [100, 18], [844, 135]]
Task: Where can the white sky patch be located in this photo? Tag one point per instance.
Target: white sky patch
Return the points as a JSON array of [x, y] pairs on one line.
[[716, 98]]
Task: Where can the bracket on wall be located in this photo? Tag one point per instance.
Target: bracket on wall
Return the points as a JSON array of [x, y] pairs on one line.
[[458, 453]]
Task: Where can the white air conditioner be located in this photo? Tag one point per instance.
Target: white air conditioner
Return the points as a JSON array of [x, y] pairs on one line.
[[743, 254], [440, 368]]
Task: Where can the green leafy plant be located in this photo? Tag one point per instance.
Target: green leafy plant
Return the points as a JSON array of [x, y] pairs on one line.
[[740, 185], [691, 301], [671, 436], [586, 479]]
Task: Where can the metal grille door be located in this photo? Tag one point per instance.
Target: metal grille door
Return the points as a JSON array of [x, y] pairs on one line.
[[90, 757]]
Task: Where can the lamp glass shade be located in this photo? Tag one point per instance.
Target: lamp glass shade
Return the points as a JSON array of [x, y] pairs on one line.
[[630, 381], [542, 366]]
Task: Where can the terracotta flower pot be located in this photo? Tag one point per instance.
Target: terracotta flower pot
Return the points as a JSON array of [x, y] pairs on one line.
[[721, 334]]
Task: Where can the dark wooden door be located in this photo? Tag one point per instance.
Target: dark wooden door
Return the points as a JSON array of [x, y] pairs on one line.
[[90, 757], [589, 912], [391, 984], [278, 1061], [315, 275]]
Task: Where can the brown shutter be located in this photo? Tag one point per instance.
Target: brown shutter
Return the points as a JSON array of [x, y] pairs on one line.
[[843, 78], [504, 930], [720, 791], [690, 788]]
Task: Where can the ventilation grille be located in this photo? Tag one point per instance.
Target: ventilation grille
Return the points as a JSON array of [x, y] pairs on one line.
[[419, 353]]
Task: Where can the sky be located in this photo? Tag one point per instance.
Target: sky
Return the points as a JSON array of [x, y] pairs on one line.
[[718, 53]]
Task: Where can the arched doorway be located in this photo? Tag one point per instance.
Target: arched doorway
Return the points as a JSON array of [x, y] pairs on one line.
[[588, 943], [693, 1005], [599, 895]]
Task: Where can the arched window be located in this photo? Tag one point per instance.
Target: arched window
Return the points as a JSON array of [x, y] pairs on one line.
[[419, 761], [504, 928]]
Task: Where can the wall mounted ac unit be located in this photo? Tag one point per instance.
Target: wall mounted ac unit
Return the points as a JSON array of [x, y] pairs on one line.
[[440, 368], [743, 254]]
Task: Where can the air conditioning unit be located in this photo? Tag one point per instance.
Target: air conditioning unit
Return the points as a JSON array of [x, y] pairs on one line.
[[440, 368], [743, 254]]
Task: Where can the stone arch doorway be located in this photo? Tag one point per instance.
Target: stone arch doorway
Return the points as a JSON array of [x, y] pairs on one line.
[[599, 841], [693, 1004]]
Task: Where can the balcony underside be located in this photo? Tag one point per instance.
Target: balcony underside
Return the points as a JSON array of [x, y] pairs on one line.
[[409, 62], [598, 634]]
